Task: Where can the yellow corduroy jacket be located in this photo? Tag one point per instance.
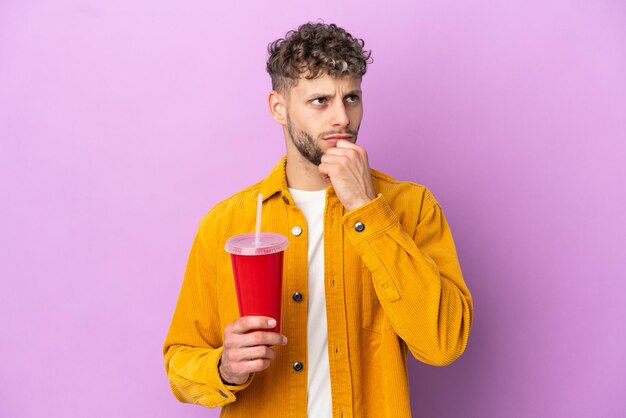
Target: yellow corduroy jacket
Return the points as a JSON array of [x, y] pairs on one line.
[[394, 286]]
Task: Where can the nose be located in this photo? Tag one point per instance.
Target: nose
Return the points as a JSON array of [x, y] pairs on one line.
[[340, 117]]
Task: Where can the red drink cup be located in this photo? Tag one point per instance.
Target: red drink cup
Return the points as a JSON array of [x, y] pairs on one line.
[[258, 272]]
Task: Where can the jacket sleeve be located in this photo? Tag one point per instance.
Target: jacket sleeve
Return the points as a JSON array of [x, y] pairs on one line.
[[193, 346], [416, 276]]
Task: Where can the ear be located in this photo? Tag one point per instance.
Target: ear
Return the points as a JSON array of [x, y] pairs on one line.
[[278, 107]]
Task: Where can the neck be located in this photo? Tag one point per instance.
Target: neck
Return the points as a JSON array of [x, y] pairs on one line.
[[301, 173], [304, 175]]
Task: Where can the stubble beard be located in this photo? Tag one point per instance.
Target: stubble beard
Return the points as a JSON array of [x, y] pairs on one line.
[[305, 144]]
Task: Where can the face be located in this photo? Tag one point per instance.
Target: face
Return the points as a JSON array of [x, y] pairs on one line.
[[322, 111]]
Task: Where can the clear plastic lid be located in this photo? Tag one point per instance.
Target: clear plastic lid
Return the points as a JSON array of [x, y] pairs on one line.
[[245, 244]]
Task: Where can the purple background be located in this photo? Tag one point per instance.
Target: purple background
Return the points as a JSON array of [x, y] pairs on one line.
[[121, 123]]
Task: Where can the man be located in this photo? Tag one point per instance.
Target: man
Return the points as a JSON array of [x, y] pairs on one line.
[[371, 270]]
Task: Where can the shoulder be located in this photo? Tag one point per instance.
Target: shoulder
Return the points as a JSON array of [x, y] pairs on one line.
[[403, 194], [238, 203]]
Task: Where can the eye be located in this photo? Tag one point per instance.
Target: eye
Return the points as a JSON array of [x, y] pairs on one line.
[[319, 101], [353, 98]]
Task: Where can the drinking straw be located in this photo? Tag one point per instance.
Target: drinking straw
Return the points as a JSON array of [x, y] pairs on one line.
[[259, 209]]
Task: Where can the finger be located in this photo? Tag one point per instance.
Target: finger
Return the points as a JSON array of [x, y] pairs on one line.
[[257, 338], [255, 353], [326, 169], [351, 150], [258, 365], [349, 154], [342, 151], [335, 151], [242, 369], [334, 158], [345, 144], [246, 323]]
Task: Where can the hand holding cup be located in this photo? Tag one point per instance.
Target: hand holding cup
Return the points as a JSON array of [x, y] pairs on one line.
[[247, 348]]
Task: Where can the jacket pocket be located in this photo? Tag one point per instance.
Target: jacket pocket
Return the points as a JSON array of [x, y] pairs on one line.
[[374, 317]]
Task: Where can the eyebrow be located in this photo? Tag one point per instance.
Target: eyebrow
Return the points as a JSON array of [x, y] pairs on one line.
[[312, 96]]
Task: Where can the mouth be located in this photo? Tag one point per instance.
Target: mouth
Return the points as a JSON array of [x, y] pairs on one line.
[[335, 138]]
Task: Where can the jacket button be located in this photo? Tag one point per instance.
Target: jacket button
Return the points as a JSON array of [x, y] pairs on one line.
[[297, 296], [359, 226], [296, 230], [297, 366]]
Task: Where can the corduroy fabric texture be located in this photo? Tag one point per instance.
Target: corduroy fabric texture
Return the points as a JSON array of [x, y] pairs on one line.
[[394, 286]]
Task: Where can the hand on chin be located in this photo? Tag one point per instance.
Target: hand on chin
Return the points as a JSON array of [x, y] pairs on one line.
[[347, 168]]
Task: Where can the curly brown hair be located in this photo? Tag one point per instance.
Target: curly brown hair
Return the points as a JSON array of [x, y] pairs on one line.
[[313, 50]]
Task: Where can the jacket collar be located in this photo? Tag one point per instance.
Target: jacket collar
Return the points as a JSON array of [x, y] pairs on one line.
[[276, 181]]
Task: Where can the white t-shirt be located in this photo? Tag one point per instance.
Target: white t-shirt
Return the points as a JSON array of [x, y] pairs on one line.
[[319, 400]]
